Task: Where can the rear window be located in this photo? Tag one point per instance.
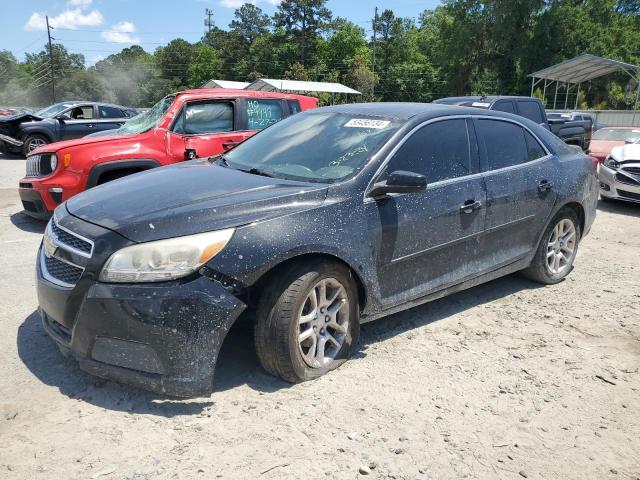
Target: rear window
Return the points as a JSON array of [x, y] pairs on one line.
[[110, 112], [262, 113], [531, 110]]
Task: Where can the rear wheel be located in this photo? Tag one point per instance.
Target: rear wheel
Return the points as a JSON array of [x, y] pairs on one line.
[[32, 142], [557, 250], [307, 323]]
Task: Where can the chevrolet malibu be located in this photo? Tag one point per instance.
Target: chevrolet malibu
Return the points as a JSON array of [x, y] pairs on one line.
[[323, 221]]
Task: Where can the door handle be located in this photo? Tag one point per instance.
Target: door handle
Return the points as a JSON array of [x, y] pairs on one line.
[[91, 125], [229, 145], [544, 185], [469, 206]]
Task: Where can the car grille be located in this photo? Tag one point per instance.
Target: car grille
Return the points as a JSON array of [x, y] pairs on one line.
[[626, 180], [62, 255], [65, 272], [39, 165], [71, 240], [631, 195]]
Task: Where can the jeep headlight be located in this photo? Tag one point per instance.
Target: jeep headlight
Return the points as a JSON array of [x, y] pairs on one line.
[[164, 260]]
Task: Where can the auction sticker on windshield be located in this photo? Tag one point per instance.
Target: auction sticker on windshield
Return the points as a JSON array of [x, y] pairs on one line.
[[366, 123]]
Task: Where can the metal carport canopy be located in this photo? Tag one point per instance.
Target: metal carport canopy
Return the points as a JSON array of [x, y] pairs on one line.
[[580, 69], [273, 85], [213, 83]]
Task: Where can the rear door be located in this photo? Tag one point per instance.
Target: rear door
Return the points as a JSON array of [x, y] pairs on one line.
[[109, 118], [518, 172], [428, 240], [202, 129]]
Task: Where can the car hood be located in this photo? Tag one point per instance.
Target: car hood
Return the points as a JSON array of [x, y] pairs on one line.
[[191, 197], [626, 153], [19, 117], [601, 148], [57, 146]]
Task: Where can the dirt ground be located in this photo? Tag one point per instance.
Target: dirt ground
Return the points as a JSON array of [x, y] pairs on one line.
[[504, 381]]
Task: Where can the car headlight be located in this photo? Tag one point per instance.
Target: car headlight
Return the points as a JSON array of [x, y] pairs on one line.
[[164, 260], [54, 162], [611, 163]]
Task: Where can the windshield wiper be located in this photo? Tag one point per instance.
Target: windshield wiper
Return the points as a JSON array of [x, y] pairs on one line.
[[255, 171]]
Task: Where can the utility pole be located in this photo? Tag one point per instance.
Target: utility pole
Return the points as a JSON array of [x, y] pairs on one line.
[[207, 21], [53, 78], [373, 65]]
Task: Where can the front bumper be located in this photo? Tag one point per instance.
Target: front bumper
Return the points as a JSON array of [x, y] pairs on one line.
[[32, 202], [619, 184], [162, 337]]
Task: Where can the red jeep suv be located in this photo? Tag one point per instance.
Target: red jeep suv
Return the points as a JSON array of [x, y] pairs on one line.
[[182, 126]]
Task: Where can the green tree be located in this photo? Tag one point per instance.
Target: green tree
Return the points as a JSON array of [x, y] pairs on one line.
[[303, 21], [250, 22]]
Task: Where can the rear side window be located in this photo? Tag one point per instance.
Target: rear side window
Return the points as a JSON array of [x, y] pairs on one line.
[[294, 106], [262, 113], [439, 151], [534, 149], [531, 110], [201, 118], [505, 143], [110, 112], [504, 107]]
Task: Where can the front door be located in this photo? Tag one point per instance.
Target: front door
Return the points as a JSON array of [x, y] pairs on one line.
[[429, 240], [78, 122], [203, 129], [518, 172]]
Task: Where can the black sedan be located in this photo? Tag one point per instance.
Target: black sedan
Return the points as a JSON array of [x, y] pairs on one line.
[[25, 131], [321, 222]]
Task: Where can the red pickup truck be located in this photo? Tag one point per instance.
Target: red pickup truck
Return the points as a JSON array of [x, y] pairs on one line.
[[189, 124]]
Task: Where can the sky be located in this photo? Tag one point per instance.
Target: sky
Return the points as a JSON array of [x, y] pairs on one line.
[[97, 28]]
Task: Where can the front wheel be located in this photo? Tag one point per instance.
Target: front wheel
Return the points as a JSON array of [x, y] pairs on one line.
[[32, 142], [557, 250], [307, 323]]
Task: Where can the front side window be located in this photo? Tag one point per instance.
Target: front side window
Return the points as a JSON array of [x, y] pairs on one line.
[[531, 110], [505, 143], [81, 113], [109, 112], [439, 151], [262, 113], [205, 117], [314, 146]]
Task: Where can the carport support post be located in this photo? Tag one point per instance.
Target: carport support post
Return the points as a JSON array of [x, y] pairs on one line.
[[533, 82], [577, 96], [635, 106], [544, 93], [555, 97], [566, 97]]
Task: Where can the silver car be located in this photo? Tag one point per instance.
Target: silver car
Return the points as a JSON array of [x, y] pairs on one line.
[[619, 175]]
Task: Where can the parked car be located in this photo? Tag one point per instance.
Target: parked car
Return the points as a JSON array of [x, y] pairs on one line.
[[319, 223], [25, 131], [573, 132], [619, 175], [607, 138], [193, 123]]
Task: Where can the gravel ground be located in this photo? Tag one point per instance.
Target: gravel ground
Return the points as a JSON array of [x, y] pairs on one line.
[[506, 380]]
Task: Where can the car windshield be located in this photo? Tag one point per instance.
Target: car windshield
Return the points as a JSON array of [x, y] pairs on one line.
[[616, 134], [146, 121], [53, 110], [318, 147]]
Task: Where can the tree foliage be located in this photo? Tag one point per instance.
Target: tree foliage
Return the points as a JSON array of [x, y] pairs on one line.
[[460, 47]]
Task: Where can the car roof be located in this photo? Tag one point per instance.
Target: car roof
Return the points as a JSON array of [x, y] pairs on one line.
[[480, 98], [406, 110], [204, 93]]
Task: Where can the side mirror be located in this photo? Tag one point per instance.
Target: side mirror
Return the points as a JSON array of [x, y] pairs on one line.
[[399, 181]]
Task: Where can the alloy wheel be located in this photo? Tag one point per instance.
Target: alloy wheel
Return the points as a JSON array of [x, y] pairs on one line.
[[323, 322], [561, 246]]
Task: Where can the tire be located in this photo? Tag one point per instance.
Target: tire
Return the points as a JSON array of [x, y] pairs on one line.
[[32, 142], [278, 327], [543, 266]]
